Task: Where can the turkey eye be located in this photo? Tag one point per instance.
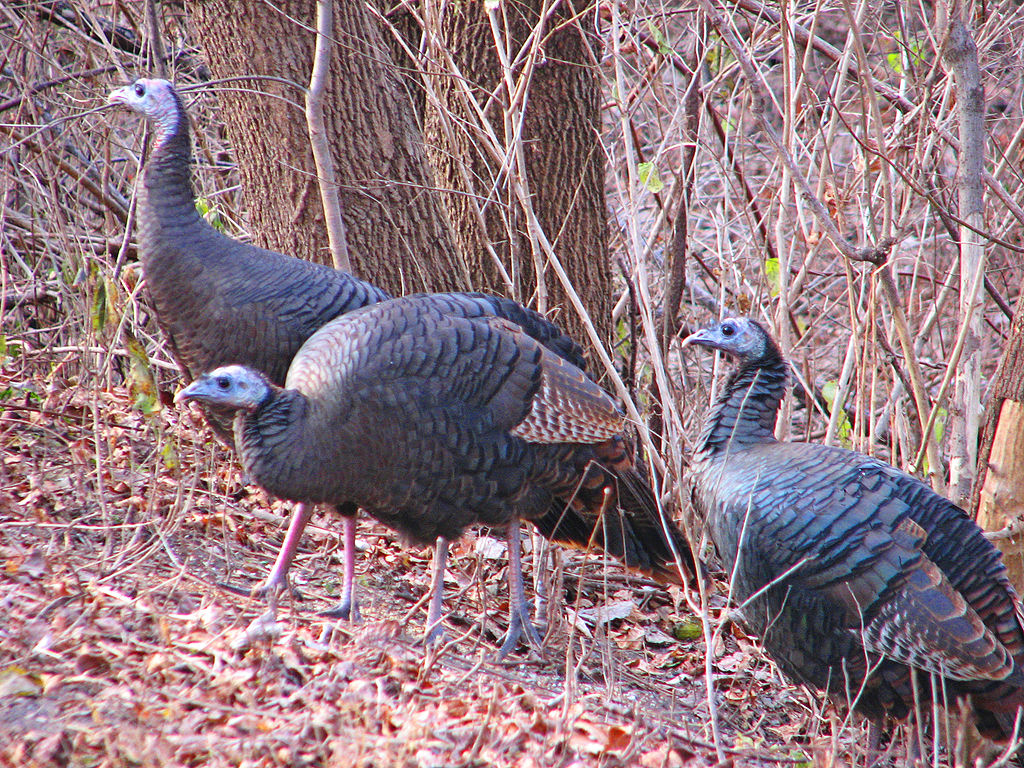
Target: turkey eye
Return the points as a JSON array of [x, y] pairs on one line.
[[140, 89]]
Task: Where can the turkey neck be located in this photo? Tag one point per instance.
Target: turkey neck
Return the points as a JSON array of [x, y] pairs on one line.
[[281, 441], [167, 197], [746, 411]]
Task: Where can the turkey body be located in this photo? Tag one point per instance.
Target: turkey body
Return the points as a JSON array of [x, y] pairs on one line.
[[433, 414], [220, 301], [438, 387], [857, 577]]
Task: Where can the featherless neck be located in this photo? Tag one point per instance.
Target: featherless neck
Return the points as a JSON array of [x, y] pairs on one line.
[[169, 172], [746, 411]]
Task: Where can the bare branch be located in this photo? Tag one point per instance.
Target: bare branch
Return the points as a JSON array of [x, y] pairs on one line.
[[319, 140]]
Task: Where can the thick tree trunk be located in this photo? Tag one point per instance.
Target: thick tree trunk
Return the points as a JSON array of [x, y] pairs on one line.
[[559, 158], [999, 489], [397, 230]]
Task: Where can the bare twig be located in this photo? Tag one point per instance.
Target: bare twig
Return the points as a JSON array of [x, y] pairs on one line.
[[319, 140]]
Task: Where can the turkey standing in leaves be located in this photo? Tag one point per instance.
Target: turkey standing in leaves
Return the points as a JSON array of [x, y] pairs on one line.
[[432, 417], [856, 576], [219, 301]]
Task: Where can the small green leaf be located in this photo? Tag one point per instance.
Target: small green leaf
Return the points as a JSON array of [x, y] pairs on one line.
[[912, 50], [939, 428], [211, 214], [649, 177], [169, 455], [689, 629], [100, 307], [663, 46], [141, 382], [772, 275], [844, 429]]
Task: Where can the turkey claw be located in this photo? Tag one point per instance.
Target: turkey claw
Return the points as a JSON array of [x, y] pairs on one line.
[[234, 589], [521, 629], [346, 610], [271, 588], [262, 592]]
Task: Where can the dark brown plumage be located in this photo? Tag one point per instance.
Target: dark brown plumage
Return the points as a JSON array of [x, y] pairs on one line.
[[433, 415], [222, 302], [859, 578]]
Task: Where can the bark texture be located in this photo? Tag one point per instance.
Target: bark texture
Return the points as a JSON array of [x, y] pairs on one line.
[[398, 232], [564, 160], [961, 56], [999, 489]]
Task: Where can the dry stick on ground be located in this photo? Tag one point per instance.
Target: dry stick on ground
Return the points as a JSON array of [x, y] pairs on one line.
[[318, 138], [877, 254], [961, 55]]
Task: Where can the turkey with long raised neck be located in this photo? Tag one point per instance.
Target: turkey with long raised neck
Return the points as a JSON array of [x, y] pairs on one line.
[[433, 420], [220, 301], [860, 580]]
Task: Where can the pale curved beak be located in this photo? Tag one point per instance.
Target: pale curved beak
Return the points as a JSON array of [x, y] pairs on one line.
[[703, 337]]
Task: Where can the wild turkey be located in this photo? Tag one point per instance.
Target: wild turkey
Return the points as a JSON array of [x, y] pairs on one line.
[[844, 565], [220, 301], [433, 415]]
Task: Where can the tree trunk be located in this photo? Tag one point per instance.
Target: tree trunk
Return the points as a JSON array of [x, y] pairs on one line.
[[480, 154], [961, 55], [999, 489], [397, 230]]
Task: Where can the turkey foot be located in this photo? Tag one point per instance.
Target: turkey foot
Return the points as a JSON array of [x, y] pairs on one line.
[[519, 622], [434, 631], [348, 608], [277, 582]]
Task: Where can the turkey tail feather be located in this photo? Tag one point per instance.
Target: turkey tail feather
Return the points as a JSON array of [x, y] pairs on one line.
[[630, 530]]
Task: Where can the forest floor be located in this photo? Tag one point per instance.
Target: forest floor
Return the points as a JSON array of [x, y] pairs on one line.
[[119, 647]]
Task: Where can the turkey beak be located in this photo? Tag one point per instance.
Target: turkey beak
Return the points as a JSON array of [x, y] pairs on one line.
[[188, 393], [699, 338]]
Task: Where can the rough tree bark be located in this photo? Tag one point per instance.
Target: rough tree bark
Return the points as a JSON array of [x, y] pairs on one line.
[[473, 126], [999, 488], [398, 232], [961, 56]]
